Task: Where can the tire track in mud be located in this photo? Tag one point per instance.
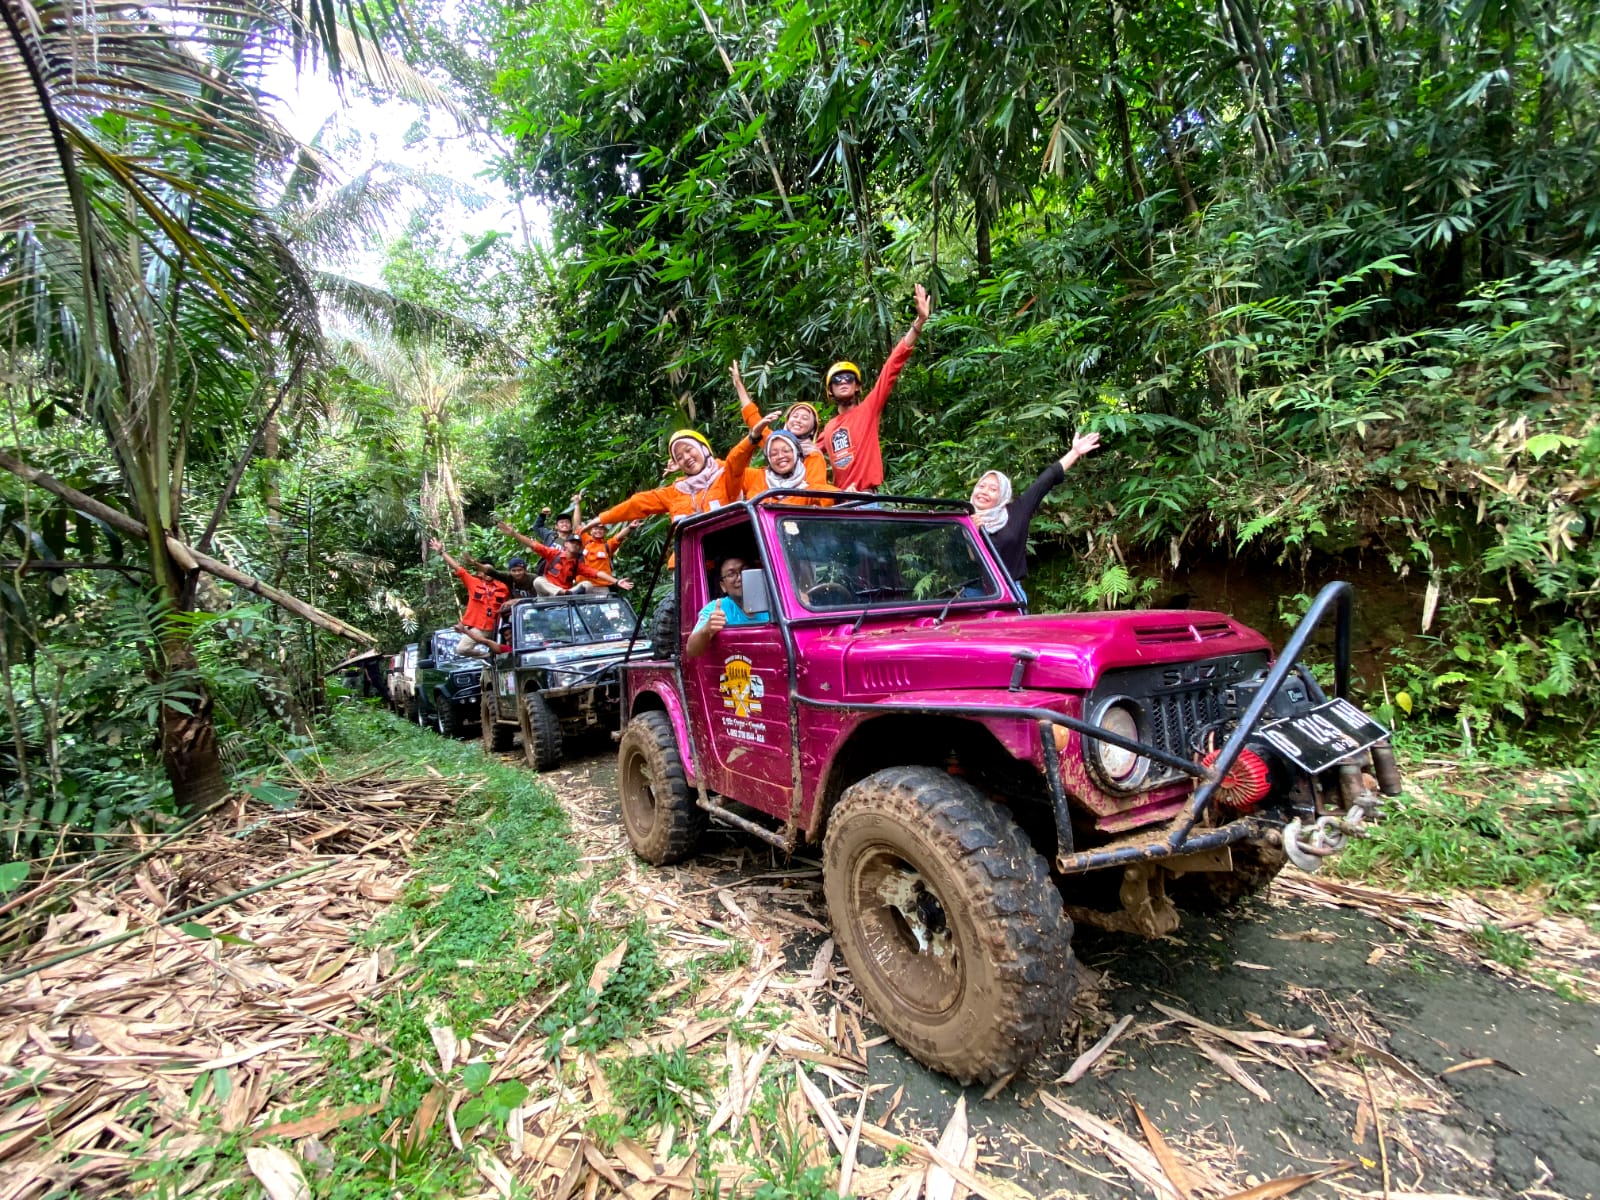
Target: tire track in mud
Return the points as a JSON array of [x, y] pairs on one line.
[[1345, 1026]]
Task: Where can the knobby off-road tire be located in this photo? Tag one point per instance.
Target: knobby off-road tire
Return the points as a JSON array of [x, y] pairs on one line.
[[948, 921], [664, 627], [444, 716], [1254, 867], [658, 809], [414, 708], [496, 737], [541, 733]]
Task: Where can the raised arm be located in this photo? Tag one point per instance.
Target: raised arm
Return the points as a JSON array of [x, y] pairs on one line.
[[437, 547], [1025, 505], [505, 528], [747, 407], [899, 356]]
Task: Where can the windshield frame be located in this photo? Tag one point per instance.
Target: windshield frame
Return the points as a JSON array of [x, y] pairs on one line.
[[999, 587]]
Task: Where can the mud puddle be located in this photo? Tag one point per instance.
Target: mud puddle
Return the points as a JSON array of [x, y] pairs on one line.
[[1276, 1040]]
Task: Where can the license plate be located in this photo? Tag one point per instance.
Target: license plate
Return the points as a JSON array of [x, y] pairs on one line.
[[1316, 740]]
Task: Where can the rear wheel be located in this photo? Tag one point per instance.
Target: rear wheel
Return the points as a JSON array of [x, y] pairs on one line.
[[496, 737], [414, 708], [948, 920], [541, 733], [1255, 865], [658, 809]]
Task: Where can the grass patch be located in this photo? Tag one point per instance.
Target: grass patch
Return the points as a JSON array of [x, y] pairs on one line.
[[487, 883], [1537, 832]]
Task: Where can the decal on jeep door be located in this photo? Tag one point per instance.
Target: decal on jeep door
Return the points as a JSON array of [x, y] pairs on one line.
[[741, 688]]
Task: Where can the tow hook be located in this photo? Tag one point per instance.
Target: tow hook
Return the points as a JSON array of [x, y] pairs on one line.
[[1328, 835]]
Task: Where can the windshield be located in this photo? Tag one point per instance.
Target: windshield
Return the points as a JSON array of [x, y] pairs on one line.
[[859, 562], [611, 619], [551, 625], [445, 642]]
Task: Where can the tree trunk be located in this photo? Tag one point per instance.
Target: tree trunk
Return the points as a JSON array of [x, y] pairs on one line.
[[189, 750]]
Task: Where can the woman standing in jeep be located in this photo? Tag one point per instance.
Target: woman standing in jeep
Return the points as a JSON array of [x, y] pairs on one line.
[[1006, 520]]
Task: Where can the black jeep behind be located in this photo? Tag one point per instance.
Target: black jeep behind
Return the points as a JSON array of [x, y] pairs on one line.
[[447, 684], [560, 678]]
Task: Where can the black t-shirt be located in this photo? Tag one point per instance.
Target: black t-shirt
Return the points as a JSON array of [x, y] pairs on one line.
[[1011, 542]]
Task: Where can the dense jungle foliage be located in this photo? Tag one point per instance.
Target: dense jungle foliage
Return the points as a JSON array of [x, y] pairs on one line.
[[1325, 278]]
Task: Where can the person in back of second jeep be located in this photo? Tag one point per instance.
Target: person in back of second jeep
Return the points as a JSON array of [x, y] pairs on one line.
[[850, 439]]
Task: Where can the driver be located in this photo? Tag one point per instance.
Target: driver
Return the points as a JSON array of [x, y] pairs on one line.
[[727, 609]]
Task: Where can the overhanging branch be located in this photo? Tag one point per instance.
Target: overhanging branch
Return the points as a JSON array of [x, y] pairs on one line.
[[186, 556]]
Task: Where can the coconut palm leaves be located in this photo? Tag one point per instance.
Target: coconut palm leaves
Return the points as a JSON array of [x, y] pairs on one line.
[[143, 281]]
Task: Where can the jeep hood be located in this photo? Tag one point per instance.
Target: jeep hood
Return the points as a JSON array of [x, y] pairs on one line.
[[1074, 649]]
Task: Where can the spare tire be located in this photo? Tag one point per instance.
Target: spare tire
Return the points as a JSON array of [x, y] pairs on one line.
[[664, 627]]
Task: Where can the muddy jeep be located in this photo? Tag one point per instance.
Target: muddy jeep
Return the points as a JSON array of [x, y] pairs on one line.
[[560, 677], [979, 777], [447, 684]]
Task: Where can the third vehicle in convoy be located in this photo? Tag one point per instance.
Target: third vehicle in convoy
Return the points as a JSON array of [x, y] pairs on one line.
[[447, 684], [978, 777]]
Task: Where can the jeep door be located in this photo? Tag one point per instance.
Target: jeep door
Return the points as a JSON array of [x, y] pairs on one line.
[[740, 715]]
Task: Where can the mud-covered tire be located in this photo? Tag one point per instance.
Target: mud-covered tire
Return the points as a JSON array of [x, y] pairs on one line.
[[496, 737], [1255, 865], [664, 627], [664, 823], [541, 733], [917, 841], [414, 709]]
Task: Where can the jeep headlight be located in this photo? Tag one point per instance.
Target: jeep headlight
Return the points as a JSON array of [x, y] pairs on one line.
[[1117, 768]]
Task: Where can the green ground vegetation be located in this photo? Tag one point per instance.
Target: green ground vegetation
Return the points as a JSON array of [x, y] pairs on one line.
[[499, 922]]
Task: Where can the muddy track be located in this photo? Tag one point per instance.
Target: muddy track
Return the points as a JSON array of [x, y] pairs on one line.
[[1522, 1118]]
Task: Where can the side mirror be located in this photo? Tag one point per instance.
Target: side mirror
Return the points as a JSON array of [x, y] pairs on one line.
[[425, 664], [755, 600]]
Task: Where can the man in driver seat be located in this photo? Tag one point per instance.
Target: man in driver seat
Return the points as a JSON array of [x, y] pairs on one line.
[[727, 609]]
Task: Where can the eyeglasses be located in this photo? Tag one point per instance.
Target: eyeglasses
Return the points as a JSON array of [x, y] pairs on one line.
[[842, 377], [734, 574]]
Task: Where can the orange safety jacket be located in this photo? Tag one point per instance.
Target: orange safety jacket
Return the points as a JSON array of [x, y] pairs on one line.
[[816, 462]]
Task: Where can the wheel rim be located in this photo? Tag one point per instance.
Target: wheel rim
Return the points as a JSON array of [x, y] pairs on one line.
[[638, 794], [902, 925]]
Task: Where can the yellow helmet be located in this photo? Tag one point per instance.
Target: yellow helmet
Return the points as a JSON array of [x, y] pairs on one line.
[[839, 367], [691, 435]]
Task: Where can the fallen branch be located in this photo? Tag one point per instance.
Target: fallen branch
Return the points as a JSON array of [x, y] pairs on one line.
[[186, 556]]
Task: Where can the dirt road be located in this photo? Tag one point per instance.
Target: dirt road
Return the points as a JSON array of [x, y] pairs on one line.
[[1278, 1040]]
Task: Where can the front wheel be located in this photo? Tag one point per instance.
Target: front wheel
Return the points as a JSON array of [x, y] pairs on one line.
[[664, 823], [948, 921], [541, 733]]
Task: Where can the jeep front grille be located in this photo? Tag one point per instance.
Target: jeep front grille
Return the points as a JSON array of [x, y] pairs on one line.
[[1176, 718]]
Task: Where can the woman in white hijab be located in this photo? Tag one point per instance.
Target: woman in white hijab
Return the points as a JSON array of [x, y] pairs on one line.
[[1006, 520]]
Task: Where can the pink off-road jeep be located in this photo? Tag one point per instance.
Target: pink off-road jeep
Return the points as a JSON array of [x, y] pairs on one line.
[[977, 776]]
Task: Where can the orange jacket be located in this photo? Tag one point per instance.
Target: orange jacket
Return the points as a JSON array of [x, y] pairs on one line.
[[816, 461], [597, 551], [753, 480], [673, 501]]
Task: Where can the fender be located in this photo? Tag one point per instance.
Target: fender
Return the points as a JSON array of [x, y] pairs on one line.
[[657, 688]]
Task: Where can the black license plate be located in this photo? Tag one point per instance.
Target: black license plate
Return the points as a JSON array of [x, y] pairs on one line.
[[1317, 739]]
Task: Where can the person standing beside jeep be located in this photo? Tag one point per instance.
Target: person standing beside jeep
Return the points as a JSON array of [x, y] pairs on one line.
[[484, 597], [1005, 520], [850, 439], [727, 609]]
